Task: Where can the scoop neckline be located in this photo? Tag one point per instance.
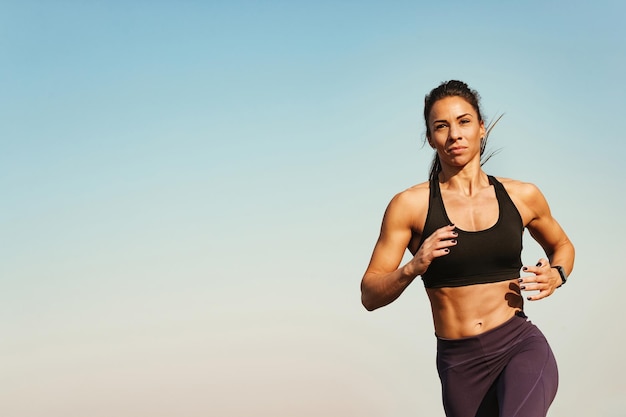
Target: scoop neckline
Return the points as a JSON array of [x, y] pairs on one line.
[[445, 212]]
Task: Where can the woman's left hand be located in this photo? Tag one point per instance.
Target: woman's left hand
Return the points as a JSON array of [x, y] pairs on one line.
[[545, 280]]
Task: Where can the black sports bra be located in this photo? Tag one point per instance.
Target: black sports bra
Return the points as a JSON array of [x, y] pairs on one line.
[[480, 257]]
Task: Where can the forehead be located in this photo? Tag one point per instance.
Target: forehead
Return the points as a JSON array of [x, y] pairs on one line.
[[451, 107]]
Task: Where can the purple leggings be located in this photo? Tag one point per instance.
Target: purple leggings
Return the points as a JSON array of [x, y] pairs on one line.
[[508, 371]]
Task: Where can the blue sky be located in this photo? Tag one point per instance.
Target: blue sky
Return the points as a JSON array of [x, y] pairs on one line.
[[192, 190]]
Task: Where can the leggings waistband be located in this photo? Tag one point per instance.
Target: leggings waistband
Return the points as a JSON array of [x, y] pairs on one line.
[[493, 337]]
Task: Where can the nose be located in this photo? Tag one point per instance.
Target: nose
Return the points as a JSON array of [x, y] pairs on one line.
[[454, 133]]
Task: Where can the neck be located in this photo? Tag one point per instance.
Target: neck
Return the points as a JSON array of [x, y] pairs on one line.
[[465, 181]]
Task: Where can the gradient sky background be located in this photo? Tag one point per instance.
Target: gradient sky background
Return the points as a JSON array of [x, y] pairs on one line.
[[191, 192]]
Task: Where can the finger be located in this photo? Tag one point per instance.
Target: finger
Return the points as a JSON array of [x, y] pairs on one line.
[[441, 252], [544, 291], [528, 279], [447, 227], [446, 243], [537, 267], [440, 239], [539, 295], [533, 286], [439, 242], [444, 250], [446, 232], [532, 269]]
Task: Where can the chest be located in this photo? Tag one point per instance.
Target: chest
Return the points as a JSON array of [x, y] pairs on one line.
[[472, 213]]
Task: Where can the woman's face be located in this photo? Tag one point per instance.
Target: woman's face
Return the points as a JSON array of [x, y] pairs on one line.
[[455, 131]]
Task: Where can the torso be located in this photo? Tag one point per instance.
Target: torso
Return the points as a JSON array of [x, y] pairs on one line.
[[472, 309], [467, 311]]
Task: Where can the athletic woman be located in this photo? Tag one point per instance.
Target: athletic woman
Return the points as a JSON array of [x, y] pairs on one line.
[[464, 229]]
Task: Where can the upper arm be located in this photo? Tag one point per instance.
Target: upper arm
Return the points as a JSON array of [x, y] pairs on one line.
[[539, 221], [396, 232]]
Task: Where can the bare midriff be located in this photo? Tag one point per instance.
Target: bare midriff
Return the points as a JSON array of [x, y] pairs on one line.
[[474, 309]]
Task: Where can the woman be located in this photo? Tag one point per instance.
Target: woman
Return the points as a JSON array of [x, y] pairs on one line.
[[464, 229]]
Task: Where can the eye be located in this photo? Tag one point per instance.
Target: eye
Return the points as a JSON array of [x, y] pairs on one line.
[[440, 126], [465, 121]]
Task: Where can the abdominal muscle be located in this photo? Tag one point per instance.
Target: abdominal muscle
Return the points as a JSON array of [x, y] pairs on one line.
[[474, 309]]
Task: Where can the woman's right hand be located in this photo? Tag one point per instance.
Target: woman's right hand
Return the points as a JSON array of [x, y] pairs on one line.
[[434, 246]]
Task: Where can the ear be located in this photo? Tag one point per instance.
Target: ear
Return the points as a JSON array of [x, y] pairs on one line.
[[482, 129], [430, 142]]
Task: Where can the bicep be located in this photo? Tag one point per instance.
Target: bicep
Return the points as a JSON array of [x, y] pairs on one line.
[[548, 233], [543, 227], [394, 238]]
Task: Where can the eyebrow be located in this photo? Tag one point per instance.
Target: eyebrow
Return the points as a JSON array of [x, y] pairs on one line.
[[457, 118]]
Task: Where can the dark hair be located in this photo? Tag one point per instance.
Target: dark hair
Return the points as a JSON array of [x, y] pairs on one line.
[[454, 88]]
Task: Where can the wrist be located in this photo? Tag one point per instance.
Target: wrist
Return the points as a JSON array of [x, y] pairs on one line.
[[562, 274], [409, 271]]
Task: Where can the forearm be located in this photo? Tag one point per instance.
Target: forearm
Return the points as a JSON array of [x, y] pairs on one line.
[[378, 290], [563, 255]]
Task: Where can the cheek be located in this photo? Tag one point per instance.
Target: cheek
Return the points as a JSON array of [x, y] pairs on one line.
[[438, 139]]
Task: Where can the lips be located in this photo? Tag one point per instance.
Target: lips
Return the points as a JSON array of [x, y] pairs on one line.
[[456, 150]]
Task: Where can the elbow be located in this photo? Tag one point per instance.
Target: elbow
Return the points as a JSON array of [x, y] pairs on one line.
[[371, 297], [368, 301], [367, 304]]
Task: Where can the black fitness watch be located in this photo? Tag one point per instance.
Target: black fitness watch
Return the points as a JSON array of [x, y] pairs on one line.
[[561, 273]]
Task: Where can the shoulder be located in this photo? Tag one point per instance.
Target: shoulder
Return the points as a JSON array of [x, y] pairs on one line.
[[409, 206], [520, 189], [527, 197], [412, 197]]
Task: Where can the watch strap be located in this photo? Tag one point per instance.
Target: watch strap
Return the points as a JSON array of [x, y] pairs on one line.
[[562, 273]]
